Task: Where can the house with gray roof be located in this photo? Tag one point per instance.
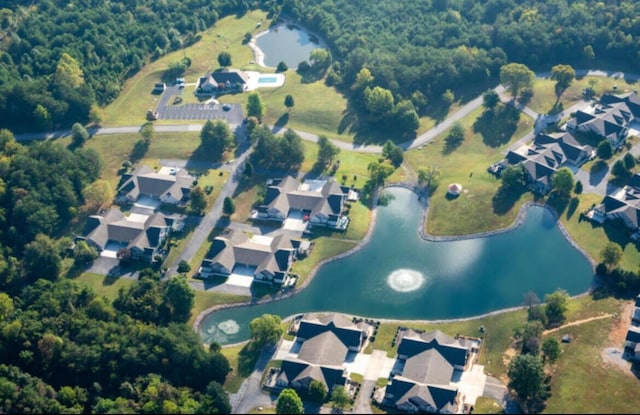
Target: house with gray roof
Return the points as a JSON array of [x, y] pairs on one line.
[[320, 202], [223, 81], [427, 363], [169, 185], [623, 205], [546, 155], [268, 258], [610, 118], [299, 374], [350, 334], [137, 236]]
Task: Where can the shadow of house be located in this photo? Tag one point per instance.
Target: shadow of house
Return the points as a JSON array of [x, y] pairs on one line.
[[268, 259], [429, 362], [546, 155]]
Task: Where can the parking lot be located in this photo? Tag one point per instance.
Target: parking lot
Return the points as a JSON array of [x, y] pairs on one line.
[[201, 111]]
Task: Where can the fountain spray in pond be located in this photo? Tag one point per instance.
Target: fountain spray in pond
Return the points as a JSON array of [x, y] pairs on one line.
[[405, 280], [229, 327]]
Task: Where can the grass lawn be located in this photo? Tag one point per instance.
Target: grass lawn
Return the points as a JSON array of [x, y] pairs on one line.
[[592, 237], [324, 248], [233, 381], [467, 164], [205, 300], [102, 285]]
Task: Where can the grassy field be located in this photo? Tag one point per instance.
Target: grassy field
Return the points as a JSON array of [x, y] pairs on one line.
[[233, 381], [324, 248], [102, 285], [205, 300], [467, 164]]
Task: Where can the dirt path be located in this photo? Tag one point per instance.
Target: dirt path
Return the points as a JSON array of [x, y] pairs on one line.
[[578, 322]]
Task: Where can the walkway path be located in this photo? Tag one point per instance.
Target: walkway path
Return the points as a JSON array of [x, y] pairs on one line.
[[578, 322]]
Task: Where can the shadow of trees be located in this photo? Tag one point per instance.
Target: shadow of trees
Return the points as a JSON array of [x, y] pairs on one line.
[[497, 126], [505, 198]]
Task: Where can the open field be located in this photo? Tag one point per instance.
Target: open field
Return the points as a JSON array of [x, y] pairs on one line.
[[467, 165]]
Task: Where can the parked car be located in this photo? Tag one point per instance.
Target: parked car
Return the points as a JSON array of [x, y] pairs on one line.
[[152, 115], [226, 107]]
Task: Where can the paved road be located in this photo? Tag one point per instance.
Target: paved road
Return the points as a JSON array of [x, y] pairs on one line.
[[250, 395]]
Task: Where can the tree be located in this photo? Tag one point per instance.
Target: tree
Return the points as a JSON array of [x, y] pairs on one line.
[[317, 391], [529, 337], [42, 258], [282, 67], [327, 151], [98, 194], [197, 200], [455, 136], [551, 349], [289, 102], [289, 402], [228, 206], [215, 400], [68, 75], [248, 169], [490, 99], [146, 131], [79, 134], [527, 380], [265, 329], [378, 101], [255, 106], [183, 267], [393, 153], [563, 75], [611, 254], [224, 59], [515, 77], [448, 97], [555, 307], [513, 177], [429, 177], [530, 299], [83, 253], [179, 296], [339, 397], [562, 181], [320, 60], [216, 137], [378, 172], [629, 161], [620, 170], [604, 150]]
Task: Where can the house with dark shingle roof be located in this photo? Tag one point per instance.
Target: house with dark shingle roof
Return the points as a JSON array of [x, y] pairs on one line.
[[546, 155], [350, 334], [299, 374], [172, 187], [269, 258], [223, 81], [427, 363], [623, 205], [320, 201], [141, 238], [610, 118]]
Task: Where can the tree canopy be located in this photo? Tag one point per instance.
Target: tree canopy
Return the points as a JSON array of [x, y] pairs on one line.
[[265, 329], [527, 380], [516, 77], [289, 402], [216, 138]]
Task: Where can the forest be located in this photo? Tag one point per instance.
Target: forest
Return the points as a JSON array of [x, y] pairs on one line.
[[58, 58], [64, 349]]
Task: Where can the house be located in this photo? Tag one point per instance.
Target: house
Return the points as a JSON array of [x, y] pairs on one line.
[[623, 205], [320, 202], [632, 342], [325, 343], [168, 185], [635, 318], [609, 119], [350, 334], [137, 236], [427, 363], [268, 259], [546, 155], [223, 81]]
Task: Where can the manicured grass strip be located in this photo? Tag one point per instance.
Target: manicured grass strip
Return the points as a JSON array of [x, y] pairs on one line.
[[205, 300], [324, 248], [233, 381], [102, 285]]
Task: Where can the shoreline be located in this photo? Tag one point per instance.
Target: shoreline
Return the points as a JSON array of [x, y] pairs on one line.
[[424, 202]]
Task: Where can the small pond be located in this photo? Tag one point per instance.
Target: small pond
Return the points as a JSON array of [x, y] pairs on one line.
[[399, 275], [286, 43]]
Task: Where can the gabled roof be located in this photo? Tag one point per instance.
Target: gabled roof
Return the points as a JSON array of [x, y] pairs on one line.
[[421, 396], [347, 332], [231, 76], [413, 343], [293, 370], [319, 197], [633, 334], [323, 349], [146, 181]]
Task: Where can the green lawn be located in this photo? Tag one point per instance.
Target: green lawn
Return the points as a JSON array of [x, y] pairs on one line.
[[233, 381], [102, 285], [467, 165], [324, 248], [205, 300]]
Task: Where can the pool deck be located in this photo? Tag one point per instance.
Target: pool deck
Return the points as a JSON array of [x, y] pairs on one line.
[[253, 80]]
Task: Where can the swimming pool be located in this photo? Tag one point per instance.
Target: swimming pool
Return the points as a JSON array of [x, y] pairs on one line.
[[267, 80]]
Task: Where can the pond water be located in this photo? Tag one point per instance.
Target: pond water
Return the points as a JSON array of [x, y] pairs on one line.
[[286, 43], [399, 275]]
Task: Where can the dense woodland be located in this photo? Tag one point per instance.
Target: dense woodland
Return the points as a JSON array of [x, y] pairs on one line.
[[416, 50], [63, 349]]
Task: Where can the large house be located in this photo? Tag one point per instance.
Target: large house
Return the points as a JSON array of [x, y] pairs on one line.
[[223, 81], [318, 202], [325, 343], [610, 118], [268, 259], [623, 205], [169, 185], [427, 362], [138, 237], [546, 155]]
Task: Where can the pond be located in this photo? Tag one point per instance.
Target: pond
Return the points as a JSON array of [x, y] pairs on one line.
[[286, 43], [399, 275]]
